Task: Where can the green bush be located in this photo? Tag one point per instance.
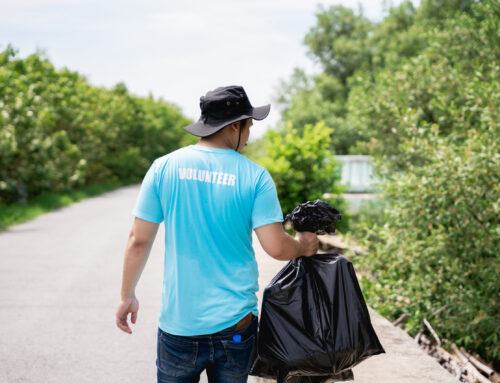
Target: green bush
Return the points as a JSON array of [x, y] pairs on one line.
[[59, 133], [435, 129], [303, 167], [438, 242]]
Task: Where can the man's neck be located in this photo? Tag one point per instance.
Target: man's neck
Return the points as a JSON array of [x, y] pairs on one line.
[[219, 144]]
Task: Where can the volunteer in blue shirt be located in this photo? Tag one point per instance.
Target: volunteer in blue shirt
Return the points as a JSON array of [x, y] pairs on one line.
[[210, 198]]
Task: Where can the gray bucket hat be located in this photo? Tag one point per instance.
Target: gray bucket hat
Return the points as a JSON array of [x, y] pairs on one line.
[[223, 106]]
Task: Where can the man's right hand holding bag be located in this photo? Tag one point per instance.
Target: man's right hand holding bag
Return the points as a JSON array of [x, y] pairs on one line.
[[308, 242]]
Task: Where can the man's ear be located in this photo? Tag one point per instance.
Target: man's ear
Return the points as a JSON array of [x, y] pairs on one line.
[[236, 125]]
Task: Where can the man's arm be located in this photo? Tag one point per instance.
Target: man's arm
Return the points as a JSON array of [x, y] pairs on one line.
[[278, 244], [139, 244]]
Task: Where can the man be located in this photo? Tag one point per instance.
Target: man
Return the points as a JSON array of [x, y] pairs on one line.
[[210, 198]]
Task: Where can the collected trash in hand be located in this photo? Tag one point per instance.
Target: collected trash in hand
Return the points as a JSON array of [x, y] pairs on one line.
[[314, 216], [314, 324]]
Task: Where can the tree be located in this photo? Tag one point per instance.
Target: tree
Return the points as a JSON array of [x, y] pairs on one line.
[[57, 132], [339, 41]]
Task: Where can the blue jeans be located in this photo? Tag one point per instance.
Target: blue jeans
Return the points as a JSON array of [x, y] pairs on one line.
[[182, 359]]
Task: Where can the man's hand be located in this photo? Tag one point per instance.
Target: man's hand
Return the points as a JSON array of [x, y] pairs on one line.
[[279, 245], [126, 306], [309, 243]]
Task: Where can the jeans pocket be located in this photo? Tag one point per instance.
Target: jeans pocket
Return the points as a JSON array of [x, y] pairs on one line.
[[176, 356], [239, 355]]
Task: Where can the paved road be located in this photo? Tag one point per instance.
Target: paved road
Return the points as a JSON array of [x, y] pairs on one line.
[[59, 285]]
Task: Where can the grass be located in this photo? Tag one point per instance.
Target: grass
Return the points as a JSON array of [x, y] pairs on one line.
[[14, 213]]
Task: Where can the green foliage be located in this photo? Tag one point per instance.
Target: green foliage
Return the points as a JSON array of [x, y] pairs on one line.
[[256, 150], [352, 52], [451, 83], [438, 242], [322, 102], [397, 37], [302, 166], [419, 91], [434, 12], [434, 127], [59, 133], [339, 40]]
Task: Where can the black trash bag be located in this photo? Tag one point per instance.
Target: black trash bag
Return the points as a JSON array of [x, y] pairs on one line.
[[314, 216], [314, 324]]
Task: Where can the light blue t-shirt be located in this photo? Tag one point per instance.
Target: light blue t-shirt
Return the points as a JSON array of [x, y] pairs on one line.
[[210, 200]]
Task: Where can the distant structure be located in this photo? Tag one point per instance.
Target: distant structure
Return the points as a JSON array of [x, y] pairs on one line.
[[358, 176], [357, 173]]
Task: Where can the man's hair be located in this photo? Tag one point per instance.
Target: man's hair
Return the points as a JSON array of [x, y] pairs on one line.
[[243, 123]]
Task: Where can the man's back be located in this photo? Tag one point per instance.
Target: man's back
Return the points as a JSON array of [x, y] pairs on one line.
[[210, 200]]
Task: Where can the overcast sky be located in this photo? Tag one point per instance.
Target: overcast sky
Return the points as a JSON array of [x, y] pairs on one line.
[[177, 50]]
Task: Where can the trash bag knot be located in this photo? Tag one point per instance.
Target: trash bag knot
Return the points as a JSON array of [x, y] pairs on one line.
[[315, 217]]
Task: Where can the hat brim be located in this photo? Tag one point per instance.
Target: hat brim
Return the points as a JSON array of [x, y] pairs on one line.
[[202, 129], [261, 112]]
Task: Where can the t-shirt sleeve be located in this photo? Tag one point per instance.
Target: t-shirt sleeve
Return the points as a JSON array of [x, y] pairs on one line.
[[148, 205], [266, 206]]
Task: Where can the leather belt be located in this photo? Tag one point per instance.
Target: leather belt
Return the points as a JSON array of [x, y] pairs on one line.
[[245, 322]]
